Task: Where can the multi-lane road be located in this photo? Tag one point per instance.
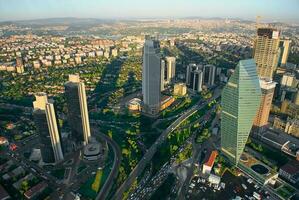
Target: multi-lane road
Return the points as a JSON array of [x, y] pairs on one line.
[[152, 150], [114, 171]]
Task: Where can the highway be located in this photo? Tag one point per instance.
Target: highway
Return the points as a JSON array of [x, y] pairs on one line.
[[114, 171], [152, 150]]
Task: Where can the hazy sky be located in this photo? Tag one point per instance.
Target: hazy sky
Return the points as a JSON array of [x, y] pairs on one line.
[[280, 10]]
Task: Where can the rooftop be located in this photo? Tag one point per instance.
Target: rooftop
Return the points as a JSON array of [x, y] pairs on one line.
[[211, 159]]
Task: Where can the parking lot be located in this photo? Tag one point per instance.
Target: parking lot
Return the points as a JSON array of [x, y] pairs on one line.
[[229, 188]]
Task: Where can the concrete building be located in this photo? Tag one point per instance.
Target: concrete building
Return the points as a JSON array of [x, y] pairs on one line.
[[180, 89], [151, 77], [289, 108], [296, 99], [207, 166], [78, 118], [241, 98], [289, 126], [267, 87], [266, 51], [190, 69], [134, 104], [209, 72], [114, 52], [196, 79], [285, 48], [288, 80], [46, 124], [169, 70], [3, 194], [163, 66], [93, 151], [290, 171]]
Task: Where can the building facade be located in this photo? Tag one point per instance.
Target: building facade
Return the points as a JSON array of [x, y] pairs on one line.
[[240, 102], [46, 124], [267, 87], [169, 73], [285, 47], [151, 77], [196, 80], [78, 118], [266, 51]]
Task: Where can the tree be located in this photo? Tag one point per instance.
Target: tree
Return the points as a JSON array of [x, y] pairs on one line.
[[24, 186], [110, 133]]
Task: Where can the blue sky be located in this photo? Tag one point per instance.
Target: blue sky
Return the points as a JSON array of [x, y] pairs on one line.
[[280, 10]]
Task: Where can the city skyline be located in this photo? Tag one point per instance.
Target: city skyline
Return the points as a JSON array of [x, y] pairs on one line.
[[284, 11]]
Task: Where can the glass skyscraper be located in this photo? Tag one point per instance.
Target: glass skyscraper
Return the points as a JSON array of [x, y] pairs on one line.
[[240, 102]]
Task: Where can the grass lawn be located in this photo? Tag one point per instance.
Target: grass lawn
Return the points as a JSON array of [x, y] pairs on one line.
[[86, 190]]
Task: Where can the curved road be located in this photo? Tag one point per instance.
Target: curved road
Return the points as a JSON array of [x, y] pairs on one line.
[[150, 153], [114, 172]]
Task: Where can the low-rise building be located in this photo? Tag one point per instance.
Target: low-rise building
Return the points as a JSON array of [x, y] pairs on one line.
[[3, 194], [290, 126], [180, 89], [134, 104], [93, 151], [166, 101], [290, 171], [207, 166], [35, 190]]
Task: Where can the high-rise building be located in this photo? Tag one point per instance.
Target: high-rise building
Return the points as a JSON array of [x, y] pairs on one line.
[[209, 72], [77, 109], [196, 80], [169, 73], [241, 98], [266, 51], [296, 99], [267, 87], [46, 124], [288, 80], [190, 69], [162, 75], [151, 77], [284, 46]]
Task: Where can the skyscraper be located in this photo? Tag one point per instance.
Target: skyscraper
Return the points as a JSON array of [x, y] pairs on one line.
[[209, 72], [240, 101], [284, 46], [162, 75], [196, 80], [266, 51], [46, 124], [169, 73], [151, 77], [262, 116], [77, 109]]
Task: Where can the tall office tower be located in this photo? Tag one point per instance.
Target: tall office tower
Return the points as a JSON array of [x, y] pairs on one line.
[[190, 69], [241, 99], [77, 109], [46, 124], [169, 73], [151, 77], [267, 87], [162, 75], [196, 80], [209, 72], [284, 46], [296, 99], [266, 51]]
